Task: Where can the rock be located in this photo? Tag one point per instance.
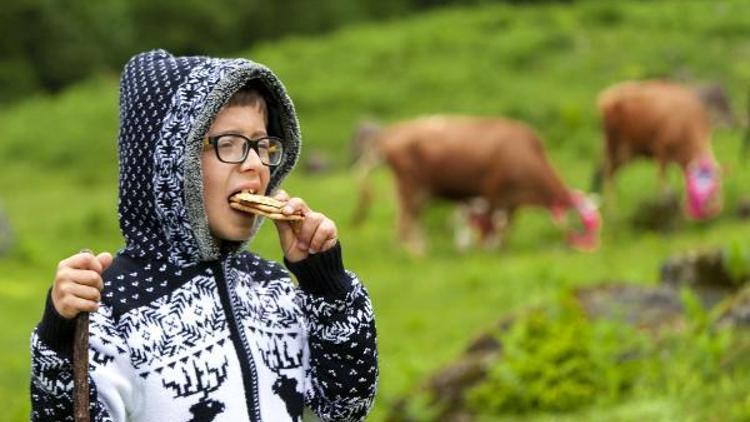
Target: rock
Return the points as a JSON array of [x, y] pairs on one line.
[[743, 208], [660, 214], [652, 309], [703, 272], [736, 311], [649, 308], [446, 388], [485, 343], [645, 307]]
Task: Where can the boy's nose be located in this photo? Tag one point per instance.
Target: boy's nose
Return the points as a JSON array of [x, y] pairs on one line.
[[252, 161]]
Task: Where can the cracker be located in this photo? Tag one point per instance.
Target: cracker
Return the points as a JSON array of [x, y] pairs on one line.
[[271, 215], [252, 199]]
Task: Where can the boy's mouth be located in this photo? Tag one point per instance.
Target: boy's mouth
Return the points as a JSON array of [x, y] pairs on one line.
[[265, 206], [239, 191]]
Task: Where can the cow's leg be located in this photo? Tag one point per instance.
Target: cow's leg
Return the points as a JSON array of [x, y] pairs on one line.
[[609, 189], [665, 190], [610, 167], [503, 218], [615, 158], [474, 221], [411, 201], [500, 214], [462, 230], [493, 239]]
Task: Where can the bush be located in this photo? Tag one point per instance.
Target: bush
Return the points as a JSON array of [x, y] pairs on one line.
[[736, 259], [556, 360]]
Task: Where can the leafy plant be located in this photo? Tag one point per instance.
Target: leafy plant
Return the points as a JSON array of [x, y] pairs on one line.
[[736, 259], [555, 360]]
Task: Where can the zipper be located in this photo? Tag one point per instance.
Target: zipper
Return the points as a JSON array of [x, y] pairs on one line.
[[228, 297]]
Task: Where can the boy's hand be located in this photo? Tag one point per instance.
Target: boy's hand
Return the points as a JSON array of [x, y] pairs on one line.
[[316, 233], [78, 283]]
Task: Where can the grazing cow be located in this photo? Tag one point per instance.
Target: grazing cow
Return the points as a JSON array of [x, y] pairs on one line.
[[667, 123], [461, 158]]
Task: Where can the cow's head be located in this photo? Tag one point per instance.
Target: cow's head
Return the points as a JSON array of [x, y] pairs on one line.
[[363, 139], [583, 235], [703, 185]]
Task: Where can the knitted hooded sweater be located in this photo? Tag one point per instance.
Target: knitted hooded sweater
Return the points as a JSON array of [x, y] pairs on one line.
[[189, 329]]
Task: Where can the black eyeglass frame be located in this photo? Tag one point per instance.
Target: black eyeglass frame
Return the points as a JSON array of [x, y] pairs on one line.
[[249, 144]]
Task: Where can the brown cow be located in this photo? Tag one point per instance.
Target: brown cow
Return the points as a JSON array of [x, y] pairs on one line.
[[668, 123], [463, 158]]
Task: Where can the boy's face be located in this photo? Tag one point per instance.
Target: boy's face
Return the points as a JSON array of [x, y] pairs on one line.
[[222, 180]]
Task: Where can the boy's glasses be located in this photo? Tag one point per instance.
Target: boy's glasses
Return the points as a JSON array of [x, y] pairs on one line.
[[233, 149]]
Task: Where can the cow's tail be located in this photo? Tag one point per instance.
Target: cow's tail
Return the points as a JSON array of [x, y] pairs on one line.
[[363, 168]]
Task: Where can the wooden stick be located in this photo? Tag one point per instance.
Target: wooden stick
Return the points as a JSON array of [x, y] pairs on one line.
[[81, 366]]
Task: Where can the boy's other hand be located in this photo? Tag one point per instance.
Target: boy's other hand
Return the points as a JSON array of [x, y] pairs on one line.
[[316, 233], [78, 283]]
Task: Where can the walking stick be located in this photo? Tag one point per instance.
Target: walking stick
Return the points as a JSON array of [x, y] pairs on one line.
[[81, 365]]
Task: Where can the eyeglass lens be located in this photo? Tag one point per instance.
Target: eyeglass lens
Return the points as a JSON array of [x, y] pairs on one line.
[[234, 149]]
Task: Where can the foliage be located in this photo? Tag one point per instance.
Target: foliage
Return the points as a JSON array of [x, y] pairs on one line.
[[421, 407], [556, 360], [736, 259], [48, 45]]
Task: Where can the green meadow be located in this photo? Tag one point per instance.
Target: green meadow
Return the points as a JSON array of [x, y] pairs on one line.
[[543, 64]]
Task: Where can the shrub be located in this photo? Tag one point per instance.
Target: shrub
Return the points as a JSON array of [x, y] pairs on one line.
[[556, 360]]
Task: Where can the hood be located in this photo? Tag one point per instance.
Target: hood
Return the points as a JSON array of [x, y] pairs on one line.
[[167, 105]]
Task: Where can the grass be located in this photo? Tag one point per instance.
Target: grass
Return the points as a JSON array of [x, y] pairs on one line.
[[543, 64]]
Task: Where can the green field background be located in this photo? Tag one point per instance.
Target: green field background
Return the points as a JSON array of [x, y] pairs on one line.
[[543, 64]]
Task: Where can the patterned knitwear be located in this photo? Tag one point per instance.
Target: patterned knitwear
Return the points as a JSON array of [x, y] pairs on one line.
[[190, 329]]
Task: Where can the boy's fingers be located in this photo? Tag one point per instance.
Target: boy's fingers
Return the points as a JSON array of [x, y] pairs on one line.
[[85, 292], [83, 277], [89, 262], [294, 205], [81, 261], [281, 195], [328, 244], [325, 232], [309, 226], [77, 305], [105, 260], [286, 234], [71, 306], [87, 278], [284, 227]]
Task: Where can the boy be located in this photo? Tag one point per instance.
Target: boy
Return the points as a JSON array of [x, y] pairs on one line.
[[190, 326]]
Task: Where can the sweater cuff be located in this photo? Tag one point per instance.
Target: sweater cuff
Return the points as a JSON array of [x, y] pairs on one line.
[[322, 273], [56, 331]]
